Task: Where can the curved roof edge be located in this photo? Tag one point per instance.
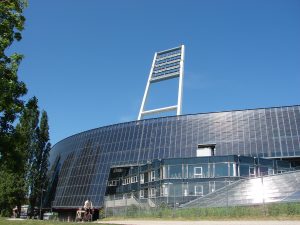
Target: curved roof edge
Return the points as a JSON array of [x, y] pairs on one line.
[[191, 114]]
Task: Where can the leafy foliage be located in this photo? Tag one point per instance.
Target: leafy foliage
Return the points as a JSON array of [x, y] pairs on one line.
[[35, 146], [24, 149], [39, 166], [12, 192], [11, 89]]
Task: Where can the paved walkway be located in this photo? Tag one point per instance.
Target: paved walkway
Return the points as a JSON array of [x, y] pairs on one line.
[[160, 222], [15, 219]]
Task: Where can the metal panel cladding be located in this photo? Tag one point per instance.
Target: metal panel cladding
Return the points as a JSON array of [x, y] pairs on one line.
[[80, 163]]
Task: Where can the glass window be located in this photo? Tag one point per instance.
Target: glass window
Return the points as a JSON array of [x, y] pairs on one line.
[[152, 176], [142, 178], [204, 173], [199, 190], [212, 186], [244, 170], [263, 170], [185, 189], [233, 169], [175, 171], [221, 169], [142, 193], [152, 193], [270, 171], [185, 171], [165, 190], [252, 171], [113, 183], [197, 172], [134, 179]]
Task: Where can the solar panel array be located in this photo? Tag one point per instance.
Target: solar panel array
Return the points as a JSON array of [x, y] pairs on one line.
[[80, 164]]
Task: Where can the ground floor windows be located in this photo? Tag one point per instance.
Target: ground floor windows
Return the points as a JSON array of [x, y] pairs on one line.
[[198, 190], [142, 193], [185, 192], [164, 190], [270, 172], [252, 172], [188, 189], [152, 192], [244, 170], [233, 171], [212, 186]]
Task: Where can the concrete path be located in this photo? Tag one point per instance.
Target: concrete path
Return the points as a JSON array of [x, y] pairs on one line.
[[15, 219], [160, 222]]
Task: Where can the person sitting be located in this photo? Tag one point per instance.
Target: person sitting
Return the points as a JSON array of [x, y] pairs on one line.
[[79, 214], [88, 206]]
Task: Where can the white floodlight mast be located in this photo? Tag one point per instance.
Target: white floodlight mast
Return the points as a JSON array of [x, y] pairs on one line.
[[168, 58]]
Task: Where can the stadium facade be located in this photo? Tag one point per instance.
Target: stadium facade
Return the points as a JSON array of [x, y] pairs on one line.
[[80, 164]]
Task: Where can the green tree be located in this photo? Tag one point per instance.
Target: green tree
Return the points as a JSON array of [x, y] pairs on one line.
[[26, 143], [39, 167], [27, 134], [11, 89], [44, 149], [27, 130], [24, 149], [35, 145], [12, 191]]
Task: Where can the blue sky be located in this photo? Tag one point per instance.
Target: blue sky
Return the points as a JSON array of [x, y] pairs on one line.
[[88, 61]]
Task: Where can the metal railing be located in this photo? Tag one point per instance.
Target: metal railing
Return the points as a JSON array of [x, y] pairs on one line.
[[283, 187]]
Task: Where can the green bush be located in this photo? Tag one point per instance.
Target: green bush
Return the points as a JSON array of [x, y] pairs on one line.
[[5, 213], [293, 209]]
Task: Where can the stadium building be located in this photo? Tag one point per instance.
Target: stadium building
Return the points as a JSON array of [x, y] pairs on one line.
[[109, 160]]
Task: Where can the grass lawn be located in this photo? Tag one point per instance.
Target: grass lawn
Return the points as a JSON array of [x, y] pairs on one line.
[[4, 221], [276, 211]]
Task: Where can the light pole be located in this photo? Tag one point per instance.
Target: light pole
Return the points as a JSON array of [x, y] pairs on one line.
[[42, 191]]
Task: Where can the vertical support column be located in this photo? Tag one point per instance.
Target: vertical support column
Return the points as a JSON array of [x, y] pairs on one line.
[[147, 89], [180, 88]]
